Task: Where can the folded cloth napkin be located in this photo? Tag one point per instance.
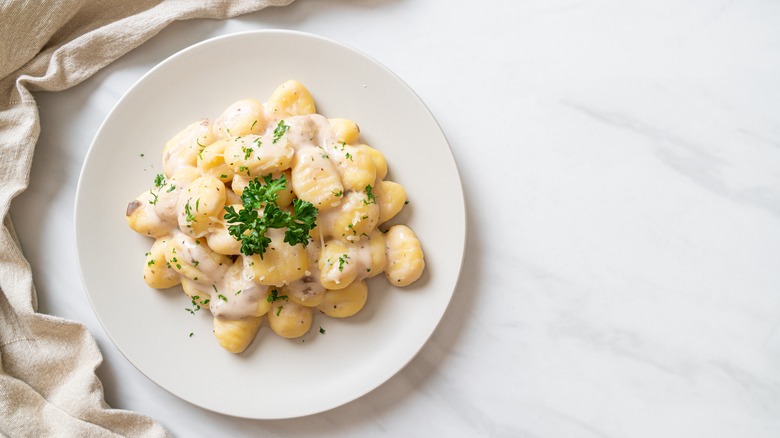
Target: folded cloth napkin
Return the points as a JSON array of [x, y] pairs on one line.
[[48, 385]]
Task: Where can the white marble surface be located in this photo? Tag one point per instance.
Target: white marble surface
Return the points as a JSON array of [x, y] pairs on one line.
[[621, 165]]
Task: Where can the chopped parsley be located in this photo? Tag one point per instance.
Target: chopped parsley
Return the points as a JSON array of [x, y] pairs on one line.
[[349, 156], [171, 188], [343, 261], [150, 262], [159, 180], [279, 310], [280, 130], [153, 201], [337, 193], [237, 292], [249, 227], [247, 151], [322, 330], [370, 198], [188, 212], [222, 297], [274, 296]]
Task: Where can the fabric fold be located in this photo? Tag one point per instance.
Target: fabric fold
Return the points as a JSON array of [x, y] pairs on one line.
[[48, 385]]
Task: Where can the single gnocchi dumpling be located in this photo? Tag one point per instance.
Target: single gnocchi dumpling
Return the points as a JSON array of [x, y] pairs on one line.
[[391, 198], [192, 258], [182, 150], [307, 290], [211, 161], [338, 265], [254, 156], [142, 217], [234, 335], [290, 99], [200, 205], [355, 165], [288, 319], [380, 163], [157, 272], [376, 261], [344, 130], [355, 218], [244, 117], [281, 263], [315, 179], [345, 302], [168, 193], [405, 260], [220, 239]]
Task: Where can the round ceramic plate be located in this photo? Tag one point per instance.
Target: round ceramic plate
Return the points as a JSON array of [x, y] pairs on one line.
[[274, 377]]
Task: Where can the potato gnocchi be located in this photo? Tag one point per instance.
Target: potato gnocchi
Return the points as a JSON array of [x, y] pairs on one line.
[[209, 166]]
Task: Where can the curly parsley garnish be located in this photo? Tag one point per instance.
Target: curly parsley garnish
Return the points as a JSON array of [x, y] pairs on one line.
[[250, 227]]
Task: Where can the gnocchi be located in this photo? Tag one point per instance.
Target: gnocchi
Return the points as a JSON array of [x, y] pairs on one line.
[[273, 212]]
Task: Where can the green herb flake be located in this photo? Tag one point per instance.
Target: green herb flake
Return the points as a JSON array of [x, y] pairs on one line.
[[280, 130], [343, 261], [322, 330], [222, 297], [274, 296], [159, 180], [370, 198], [188, 212], [279, 310]]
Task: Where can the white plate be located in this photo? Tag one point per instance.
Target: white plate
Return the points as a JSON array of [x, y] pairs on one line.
[[274, 377]]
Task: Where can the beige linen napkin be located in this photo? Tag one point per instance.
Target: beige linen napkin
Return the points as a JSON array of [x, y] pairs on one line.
[[48, 385]]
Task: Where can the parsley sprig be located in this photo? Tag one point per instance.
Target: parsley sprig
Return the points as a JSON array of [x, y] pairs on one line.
[[249, 226]]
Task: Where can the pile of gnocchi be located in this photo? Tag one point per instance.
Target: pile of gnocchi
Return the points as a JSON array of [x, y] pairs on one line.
[[210, 169]]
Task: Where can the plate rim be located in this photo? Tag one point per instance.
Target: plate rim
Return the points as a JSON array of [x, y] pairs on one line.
[[402, 364]]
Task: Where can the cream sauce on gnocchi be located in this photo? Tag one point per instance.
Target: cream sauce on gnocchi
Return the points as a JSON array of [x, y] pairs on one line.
[[208, 165]]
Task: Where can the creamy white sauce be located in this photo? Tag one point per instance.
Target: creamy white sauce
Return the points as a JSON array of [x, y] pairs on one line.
[[232, 289], [235, 295]]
